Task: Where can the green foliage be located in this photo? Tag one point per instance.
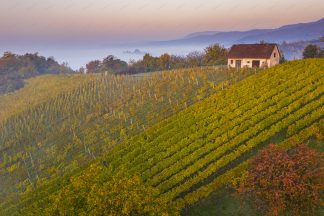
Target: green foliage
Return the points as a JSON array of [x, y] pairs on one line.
[[125, 196], [5, 159], [15, 68], [165, 61], [221, 202], [313, 51], [87, 194], [216, 55], [282, 59], [110, 64], [213, 55]]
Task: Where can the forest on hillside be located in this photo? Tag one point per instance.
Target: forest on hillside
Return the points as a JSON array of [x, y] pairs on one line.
[[15, 68], [213, 55]]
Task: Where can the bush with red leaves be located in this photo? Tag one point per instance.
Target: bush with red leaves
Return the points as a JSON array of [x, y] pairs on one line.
[[281, 181]]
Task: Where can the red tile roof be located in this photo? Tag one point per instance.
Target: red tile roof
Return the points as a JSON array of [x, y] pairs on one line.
[[251, 51]]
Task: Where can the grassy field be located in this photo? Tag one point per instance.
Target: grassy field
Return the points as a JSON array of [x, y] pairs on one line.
[[221, 203]]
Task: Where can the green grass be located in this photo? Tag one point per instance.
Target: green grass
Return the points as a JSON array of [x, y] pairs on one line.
[[316, 144], [222, 202]]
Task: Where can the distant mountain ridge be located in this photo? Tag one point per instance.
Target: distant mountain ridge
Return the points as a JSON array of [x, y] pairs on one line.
[[195, 34], [288, 33]]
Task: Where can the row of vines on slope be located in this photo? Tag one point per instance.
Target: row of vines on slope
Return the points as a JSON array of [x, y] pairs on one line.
[[190, 154], [75, 126]]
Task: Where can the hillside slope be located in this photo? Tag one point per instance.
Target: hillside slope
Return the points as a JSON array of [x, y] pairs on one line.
[[189, 155], [188, 152], [63, 129], [38, 90]]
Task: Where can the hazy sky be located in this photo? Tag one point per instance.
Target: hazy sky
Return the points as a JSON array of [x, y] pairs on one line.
[[77, 31], [119, 20]]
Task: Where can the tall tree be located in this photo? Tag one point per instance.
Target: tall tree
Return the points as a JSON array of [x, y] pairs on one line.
[[113, 65], [93, 66], [322, 39], [149, 63], [215, 55], [311, 51], [195, 59], [165, 61]]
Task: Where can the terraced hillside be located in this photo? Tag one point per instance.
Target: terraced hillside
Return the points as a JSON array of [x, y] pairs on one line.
[[194, 152], [47, 130]]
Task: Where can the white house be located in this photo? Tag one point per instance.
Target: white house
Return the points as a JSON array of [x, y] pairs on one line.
[[253, 55]]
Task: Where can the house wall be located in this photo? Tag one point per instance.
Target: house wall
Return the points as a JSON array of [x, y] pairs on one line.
[[248, 62], [275, 58]]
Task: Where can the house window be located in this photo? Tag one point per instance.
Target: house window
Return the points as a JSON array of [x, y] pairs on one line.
[[248, 62], [232, 61], [275, 55]]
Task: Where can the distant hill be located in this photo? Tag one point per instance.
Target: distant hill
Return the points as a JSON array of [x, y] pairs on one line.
[[201, 33], [288, 33]]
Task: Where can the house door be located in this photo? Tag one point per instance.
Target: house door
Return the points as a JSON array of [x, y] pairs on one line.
[[238, 63], [255, 64]]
